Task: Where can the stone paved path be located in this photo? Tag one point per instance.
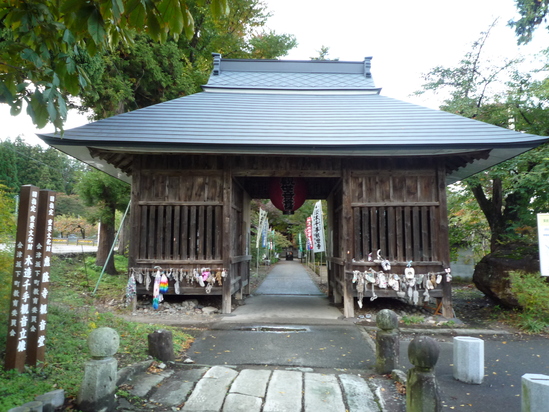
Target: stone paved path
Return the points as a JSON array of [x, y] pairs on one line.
[[225, 389], [317, 367]]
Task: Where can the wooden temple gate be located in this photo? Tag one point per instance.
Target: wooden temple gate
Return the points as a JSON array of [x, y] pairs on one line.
[[191, 212], [382, 164]]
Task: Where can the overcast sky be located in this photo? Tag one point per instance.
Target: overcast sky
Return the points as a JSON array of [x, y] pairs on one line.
[[405, 38]]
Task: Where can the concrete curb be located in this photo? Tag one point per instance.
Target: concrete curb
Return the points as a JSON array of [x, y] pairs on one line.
[[447, 331]]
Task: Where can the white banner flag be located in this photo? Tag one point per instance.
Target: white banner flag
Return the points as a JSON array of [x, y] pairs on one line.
[[318, 229], [260, 226], [543, 236]]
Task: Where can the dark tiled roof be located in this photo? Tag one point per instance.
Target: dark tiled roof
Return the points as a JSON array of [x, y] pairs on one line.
[[325, 108]]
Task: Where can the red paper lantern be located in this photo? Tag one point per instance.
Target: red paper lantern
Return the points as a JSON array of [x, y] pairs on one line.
[[288, 193]]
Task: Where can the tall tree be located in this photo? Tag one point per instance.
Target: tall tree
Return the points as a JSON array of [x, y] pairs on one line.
[[532, 14], [109, 195], [45, 168], [510, 193], [41, 41], [147, 72], [8, 166]]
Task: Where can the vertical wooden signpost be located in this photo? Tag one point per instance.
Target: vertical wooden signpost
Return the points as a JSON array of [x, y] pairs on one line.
[[30, 284], [41, 278]]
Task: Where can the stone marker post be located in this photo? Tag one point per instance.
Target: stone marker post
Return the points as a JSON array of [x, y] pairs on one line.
[[161, 345], [387, 341], [99, 384], [422, 392]]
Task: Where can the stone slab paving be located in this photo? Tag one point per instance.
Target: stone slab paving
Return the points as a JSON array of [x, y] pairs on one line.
[[236, 402], [210, 391], [322, 393], [284, 392], [251, 382], [224, 389], [176, 389], [145, 382], [360, 397]]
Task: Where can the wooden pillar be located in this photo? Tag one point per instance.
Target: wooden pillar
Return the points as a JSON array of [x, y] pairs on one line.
[[444, 242], [348, 299], [330, 246], [135, 216], [226, 246], [246, 223]]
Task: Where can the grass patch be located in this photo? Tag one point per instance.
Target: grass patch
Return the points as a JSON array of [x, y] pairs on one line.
[[72, 315], [412, 319]]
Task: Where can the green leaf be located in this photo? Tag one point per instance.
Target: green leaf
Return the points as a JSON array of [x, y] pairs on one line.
[[52, 111], [136, 13], [31, 56], [62, 107], [55, 80], [68, 37], [72, 84], [153, 26], [71, 65], [188, 24], [220, 8], [117, 9], [36, 109], [15, 108], [96, 27], [6, 95]]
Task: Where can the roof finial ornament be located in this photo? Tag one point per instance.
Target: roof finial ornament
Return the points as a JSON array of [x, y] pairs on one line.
[[216, 64], [367, 67]]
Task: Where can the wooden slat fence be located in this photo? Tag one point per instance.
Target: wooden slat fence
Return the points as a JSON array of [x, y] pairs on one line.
[[179, 231]]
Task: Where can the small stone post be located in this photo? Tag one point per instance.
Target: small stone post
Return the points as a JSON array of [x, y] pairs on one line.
[[161, 345], [387, 341], [99, 384], [468, 359], [535, 392], [422, 393]]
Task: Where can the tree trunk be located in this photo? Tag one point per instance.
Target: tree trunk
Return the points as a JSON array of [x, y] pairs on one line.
[[106, 239], [492, 209]]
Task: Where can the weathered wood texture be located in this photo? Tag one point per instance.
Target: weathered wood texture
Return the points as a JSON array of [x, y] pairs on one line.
[[398, 208], [188, 214], [190, 211]]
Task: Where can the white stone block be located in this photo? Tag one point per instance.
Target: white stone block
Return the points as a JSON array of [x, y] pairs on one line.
[[469, 359], [535, 392]]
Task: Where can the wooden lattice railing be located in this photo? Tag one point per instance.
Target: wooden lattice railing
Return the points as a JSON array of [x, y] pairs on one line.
[[180, 231]]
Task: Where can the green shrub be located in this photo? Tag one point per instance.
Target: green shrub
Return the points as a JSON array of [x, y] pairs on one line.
[[532, 293]]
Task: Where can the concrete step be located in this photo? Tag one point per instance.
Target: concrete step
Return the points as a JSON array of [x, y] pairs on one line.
[[225, 389]]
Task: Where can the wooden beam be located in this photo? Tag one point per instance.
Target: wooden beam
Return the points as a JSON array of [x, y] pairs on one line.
[[393, 204], [176, 203], [286, 173], [243, 258], [348, 300], [179, 262]]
